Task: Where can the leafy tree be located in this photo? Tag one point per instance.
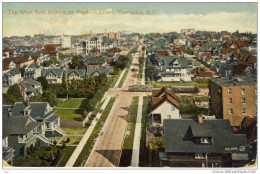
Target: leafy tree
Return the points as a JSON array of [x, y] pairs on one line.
[[76, 63], [14, 94], [44, 82], [149, 70]]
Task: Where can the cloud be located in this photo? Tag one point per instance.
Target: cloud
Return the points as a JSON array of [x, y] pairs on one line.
[[78, 23]]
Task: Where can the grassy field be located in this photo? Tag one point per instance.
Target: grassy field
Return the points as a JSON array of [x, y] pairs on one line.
[[123, 79], [129, 137], [82, 158], [74, 131], [74, 140], [70, 114], [200, 83], [74, 103], [73, 109], [143, 156]]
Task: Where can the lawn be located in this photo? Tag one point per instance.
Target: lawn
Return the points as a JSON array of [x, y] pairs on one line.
[[74, 103], [84, 154], [129, 137], [42, 157], [70, 114], [74, 131], [74, 140], [200, 83], [64, 159], [123, 79], [143, 156]]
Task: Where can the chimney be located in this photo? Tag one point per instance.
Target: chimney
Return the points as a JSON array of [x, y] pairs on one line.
[[27, 102], [200, 119]]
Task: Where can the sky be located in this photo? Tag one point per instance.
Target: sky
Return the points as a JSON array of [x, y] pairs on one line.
[[166, 17]]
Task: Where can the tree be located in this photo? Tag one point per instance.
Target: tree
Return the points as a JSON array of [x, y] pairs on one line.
[[44, 82], [14, 94], [51, 156], [49, 97], [76, 63]]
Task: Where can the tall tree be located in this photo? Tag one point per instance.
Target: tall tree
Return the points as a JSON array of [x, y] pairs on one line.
[[14, 94], [44, 82]]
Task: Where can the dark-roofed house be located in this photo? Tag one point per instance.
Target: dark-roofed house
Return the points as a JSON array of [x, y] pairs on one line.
[[203, 143], [53, 75], [94, 63], [164, 106], [32, 71], [12, 77], [233, 98], [30, 87], [76, 74], [26, 124], [174, 69], [97, 72]]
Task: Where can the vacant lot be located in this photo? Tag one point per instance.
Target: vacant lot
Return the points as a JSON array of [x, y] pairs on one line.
[[72, 109], [74, 103]]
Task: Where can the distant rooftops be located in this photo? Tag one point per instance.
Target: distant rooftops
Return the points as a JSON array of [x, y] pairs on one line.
[[231, 81]]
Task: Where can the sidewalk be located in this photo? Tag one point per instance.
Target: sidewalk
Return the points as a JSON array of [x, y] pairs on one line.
[[137, 136], [86, 136], [119, 79]]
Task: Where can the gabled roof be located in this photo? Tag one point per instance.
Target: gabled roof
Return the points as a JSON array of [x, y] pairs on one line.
[[162, 91], [13, 72], [32, 82], [168, 61], [179, 136], [56, 72], [99, 71], [16, 125], [33, 65], [80, 72], [158, 101]]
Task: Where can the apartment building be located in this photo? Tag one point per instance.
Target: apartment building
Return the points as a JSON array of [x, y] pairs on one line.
[[233, 98]]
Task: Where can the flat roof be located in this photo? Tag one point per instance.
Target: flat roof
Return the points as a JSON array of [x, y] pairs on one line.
[[235, 81]]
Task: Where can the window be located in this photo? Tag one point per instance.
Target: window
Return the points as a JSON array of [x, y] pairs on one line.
[[230, 100], [230, 111], [229, 91], [243, 100], [243, 91], [244, 111], [200, 156]]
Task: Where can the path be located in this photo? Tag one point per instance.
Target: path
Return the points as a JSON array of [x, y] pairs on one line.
[[119, 79], [86, 136], [137, 136]]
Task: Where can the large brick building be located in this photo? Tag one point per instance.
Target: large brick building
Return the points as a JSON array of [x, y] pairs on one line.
[[233, 98]]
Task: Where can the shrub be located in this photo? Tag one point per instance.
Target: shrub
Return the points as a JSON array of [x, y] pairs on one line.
[[63, 145], [68, 140], [55, 142]]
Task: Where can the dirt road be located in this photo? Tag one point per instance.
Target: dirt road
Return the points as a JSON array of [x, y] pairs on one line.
[[107, 151]]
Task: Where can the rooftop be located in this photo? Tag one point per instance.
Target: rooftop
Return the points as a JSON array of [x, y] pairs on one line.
[[235, 81]]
